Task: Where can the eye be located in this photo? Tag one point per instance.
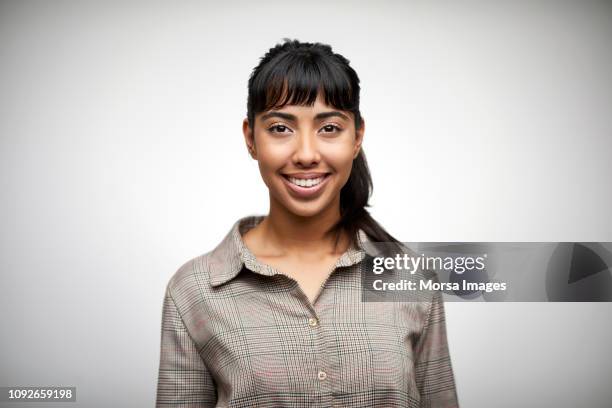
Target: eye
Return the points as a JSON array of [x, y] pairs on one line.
[[330, 128], [278, 128]]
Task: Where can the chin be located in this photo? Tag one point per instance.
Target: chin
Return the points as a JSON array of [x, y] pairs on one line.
[[305, 209]]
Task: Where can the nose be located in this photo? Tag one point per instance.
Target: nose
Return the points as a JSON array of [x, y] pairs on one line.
[[306, 150]]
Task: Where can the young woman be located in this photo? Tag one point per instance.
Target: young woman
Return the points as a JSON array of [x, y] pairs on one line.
[[273, 316]]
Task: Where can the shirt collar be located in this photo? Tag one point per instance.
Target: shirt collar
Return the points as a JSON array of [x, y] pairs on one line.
[[231, 255]]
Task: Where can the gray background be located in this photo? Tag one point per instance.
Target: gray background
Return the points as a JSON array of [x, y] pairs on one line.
[[122, 157]]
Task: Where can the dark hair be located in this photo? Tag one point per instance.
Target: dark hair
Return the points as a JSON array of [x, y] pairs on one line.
[[299, 71]]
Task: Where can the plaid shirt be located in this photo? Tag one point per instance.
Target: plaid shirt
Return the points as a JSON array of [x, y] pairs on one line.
[[237, 333]]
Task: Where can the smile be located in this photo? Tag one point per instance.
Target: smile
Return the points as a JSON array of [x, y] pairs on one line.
[[306, 182], [305, 187]]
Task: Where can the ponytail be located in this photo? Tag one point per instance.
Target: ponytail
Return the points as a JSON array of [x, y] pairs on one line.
[[354, 198]]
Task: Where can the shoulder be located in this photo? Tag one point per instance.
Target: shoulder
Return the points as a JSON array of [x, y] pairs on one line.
[[191, 278]]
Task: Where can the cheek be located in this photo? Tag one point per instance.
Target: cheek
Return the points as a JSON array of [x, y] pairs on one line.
[[340, 158], [270, 160]]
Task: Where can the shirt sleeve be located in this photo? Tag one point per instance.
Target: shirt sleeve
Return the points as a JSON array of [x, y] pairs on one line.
[[183, 380], [433, 369]]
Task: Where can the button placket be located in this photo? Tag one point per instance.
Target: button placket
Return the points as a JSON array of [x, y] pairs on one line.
[[321, 357]]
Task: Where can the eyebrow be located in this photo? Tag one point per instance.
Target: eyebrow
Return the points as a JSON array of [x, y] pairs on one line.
[[292, 118]]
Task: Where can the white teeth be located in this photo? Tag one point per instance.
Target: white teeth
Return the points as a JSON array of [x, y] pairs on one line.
[[306, 182]]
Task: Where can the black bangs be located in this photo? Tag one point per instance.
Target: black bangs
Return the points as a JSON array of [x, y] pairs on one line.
[[297, 76]]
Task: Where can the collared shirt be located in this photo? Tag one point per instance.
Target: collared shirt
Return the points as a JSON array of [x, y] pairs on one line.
[[238, 333]]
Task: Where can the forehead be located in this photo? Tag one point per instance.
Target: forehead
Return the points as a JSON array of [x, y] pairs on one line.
[[308, 111]]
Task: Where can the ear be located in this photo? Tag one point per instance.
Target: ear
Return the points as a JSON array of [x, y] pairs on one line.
[[359, 138], [249, 138]]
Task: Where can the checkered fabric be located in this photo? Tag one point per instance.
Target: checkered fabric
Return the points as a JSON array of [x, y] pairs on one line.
[[238, 333]]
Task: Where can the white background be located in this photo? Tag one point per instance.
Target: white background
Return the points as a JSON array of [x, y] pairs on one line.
[[122, 157]]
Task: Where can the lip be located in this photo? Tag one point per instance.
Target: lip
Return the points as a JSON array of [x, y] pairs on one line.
[[305, 192], [305, 175]]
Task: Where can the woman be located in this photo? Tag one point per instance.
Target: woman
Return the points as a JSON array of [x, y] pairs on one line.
[[273, 316]]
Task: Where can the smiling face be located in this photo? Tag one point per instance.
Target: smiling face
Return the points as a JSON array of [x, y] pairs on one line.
[[305, 154]]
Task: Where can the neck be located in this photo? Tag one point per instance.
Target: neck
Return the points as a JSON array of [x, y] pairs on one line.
[[291, 233]]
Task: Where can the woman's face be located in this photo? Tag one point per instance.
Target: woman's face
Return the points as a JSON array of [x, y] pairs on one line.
[[305, 154]]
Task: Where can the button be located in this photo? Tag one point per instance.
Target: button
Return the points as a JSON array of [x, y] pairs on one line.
[[312, 321], [322, 375]]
